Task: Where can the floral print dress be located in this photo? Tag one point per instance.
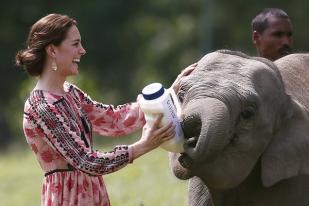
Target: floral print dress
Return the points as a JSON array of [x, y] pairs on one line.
[[59, 129]]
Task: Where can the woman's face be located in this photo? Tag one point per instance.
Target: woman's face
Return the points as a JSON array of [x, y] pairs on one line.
[[69, 52]]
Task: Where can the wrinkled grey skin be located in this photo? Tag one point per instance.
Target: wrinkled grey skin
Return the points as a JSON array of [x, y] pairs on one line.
[[246, 126]]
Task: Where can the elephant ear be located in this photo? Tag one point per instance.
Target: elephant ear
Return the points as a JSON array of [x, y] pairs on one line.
[[288, 153]]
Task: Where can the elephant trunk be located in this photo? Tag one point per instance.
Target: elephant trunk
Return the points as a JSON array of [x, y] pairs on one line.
[[214, 120]]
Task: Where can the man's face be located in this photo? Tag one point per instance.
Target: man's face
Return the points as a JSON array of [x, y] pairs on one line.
[[276, 41]]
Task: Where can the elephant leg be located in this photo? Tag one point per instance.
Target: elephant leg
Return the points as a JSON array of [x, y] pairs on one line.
[[199, 194]]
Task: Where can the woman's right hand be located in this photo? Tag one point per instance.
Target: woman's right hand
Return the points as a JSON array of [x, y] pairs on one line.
[[152, 137]]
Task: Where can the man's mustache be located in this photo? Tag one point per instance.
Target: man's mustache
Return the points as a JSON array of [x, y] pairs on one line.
[[285, 49]]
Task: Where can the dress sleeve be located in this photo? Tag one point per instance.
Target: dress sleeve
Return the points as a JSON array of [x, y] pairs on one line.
[[108, 120], [52, 125]]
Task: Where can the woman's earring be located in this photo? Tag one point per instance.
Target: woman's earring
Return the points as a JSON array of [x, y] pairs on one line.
[[54, 66]]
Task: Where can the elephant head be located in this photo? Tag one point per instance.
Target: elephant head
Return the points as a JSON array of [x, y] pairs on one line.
[[237, 112]]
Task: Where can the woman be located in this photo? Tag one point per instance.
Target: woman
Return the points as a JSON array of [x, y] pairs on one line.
[[59, 119]]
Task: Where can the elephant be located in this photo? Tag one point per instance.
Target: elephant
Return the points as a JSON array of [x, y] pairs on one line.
[[246, 129]]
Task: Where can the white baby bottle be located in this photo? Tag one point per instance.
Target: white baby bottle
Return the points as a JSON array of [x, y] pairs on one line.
[[156, 99]]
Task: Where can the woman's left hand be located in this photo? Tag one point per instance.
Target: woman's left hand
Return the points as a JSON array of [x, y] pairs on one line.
[[183, 73]]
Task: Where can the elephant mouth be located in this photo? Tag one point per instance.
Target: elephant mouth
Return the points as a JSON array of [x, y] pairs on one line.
[[191, 126]]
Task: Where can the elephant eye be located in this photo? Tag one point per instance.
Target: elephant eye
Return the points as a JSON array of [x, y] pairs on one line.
[[180, 97], [247, 113]]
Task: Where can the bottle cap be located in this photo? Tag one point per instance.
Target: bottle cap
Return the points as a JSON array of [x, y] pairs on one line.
[[153, 91]]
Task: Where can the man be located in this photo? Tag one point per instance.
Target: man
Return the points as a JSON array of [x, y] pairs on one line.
[[272, 32]]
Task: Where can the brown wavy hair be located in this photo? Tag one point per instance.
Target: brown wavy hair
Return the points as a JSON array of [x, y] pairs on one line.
[[50, 29]]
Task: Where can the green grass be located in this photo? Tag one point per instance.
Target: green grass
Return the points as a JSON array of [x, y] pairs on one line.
[[20, 180], [146, 182]]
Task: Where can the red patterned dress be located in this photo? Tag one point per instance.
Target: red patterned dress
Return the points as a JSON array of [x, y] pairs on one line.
[[59, 128]]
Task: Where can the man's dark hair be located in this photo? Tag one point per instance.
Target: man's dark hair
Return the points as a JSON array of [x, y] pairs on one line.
[[260, 22]]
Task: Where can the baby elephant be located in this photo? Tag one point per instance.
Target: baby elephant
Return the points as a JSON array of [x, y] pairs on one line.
[[246, 126]]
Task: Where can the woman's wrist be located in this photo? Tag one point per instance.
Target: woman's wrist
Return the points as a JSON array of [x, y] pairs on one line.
[[139, 148]]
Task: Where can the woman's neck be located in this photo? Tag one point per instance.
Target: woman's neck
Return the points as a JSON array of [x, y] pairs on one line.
[[51, 82]]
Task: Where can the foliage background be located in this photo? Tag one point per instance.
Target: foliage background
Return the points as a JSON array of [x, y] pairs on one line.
[[129, 44]]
